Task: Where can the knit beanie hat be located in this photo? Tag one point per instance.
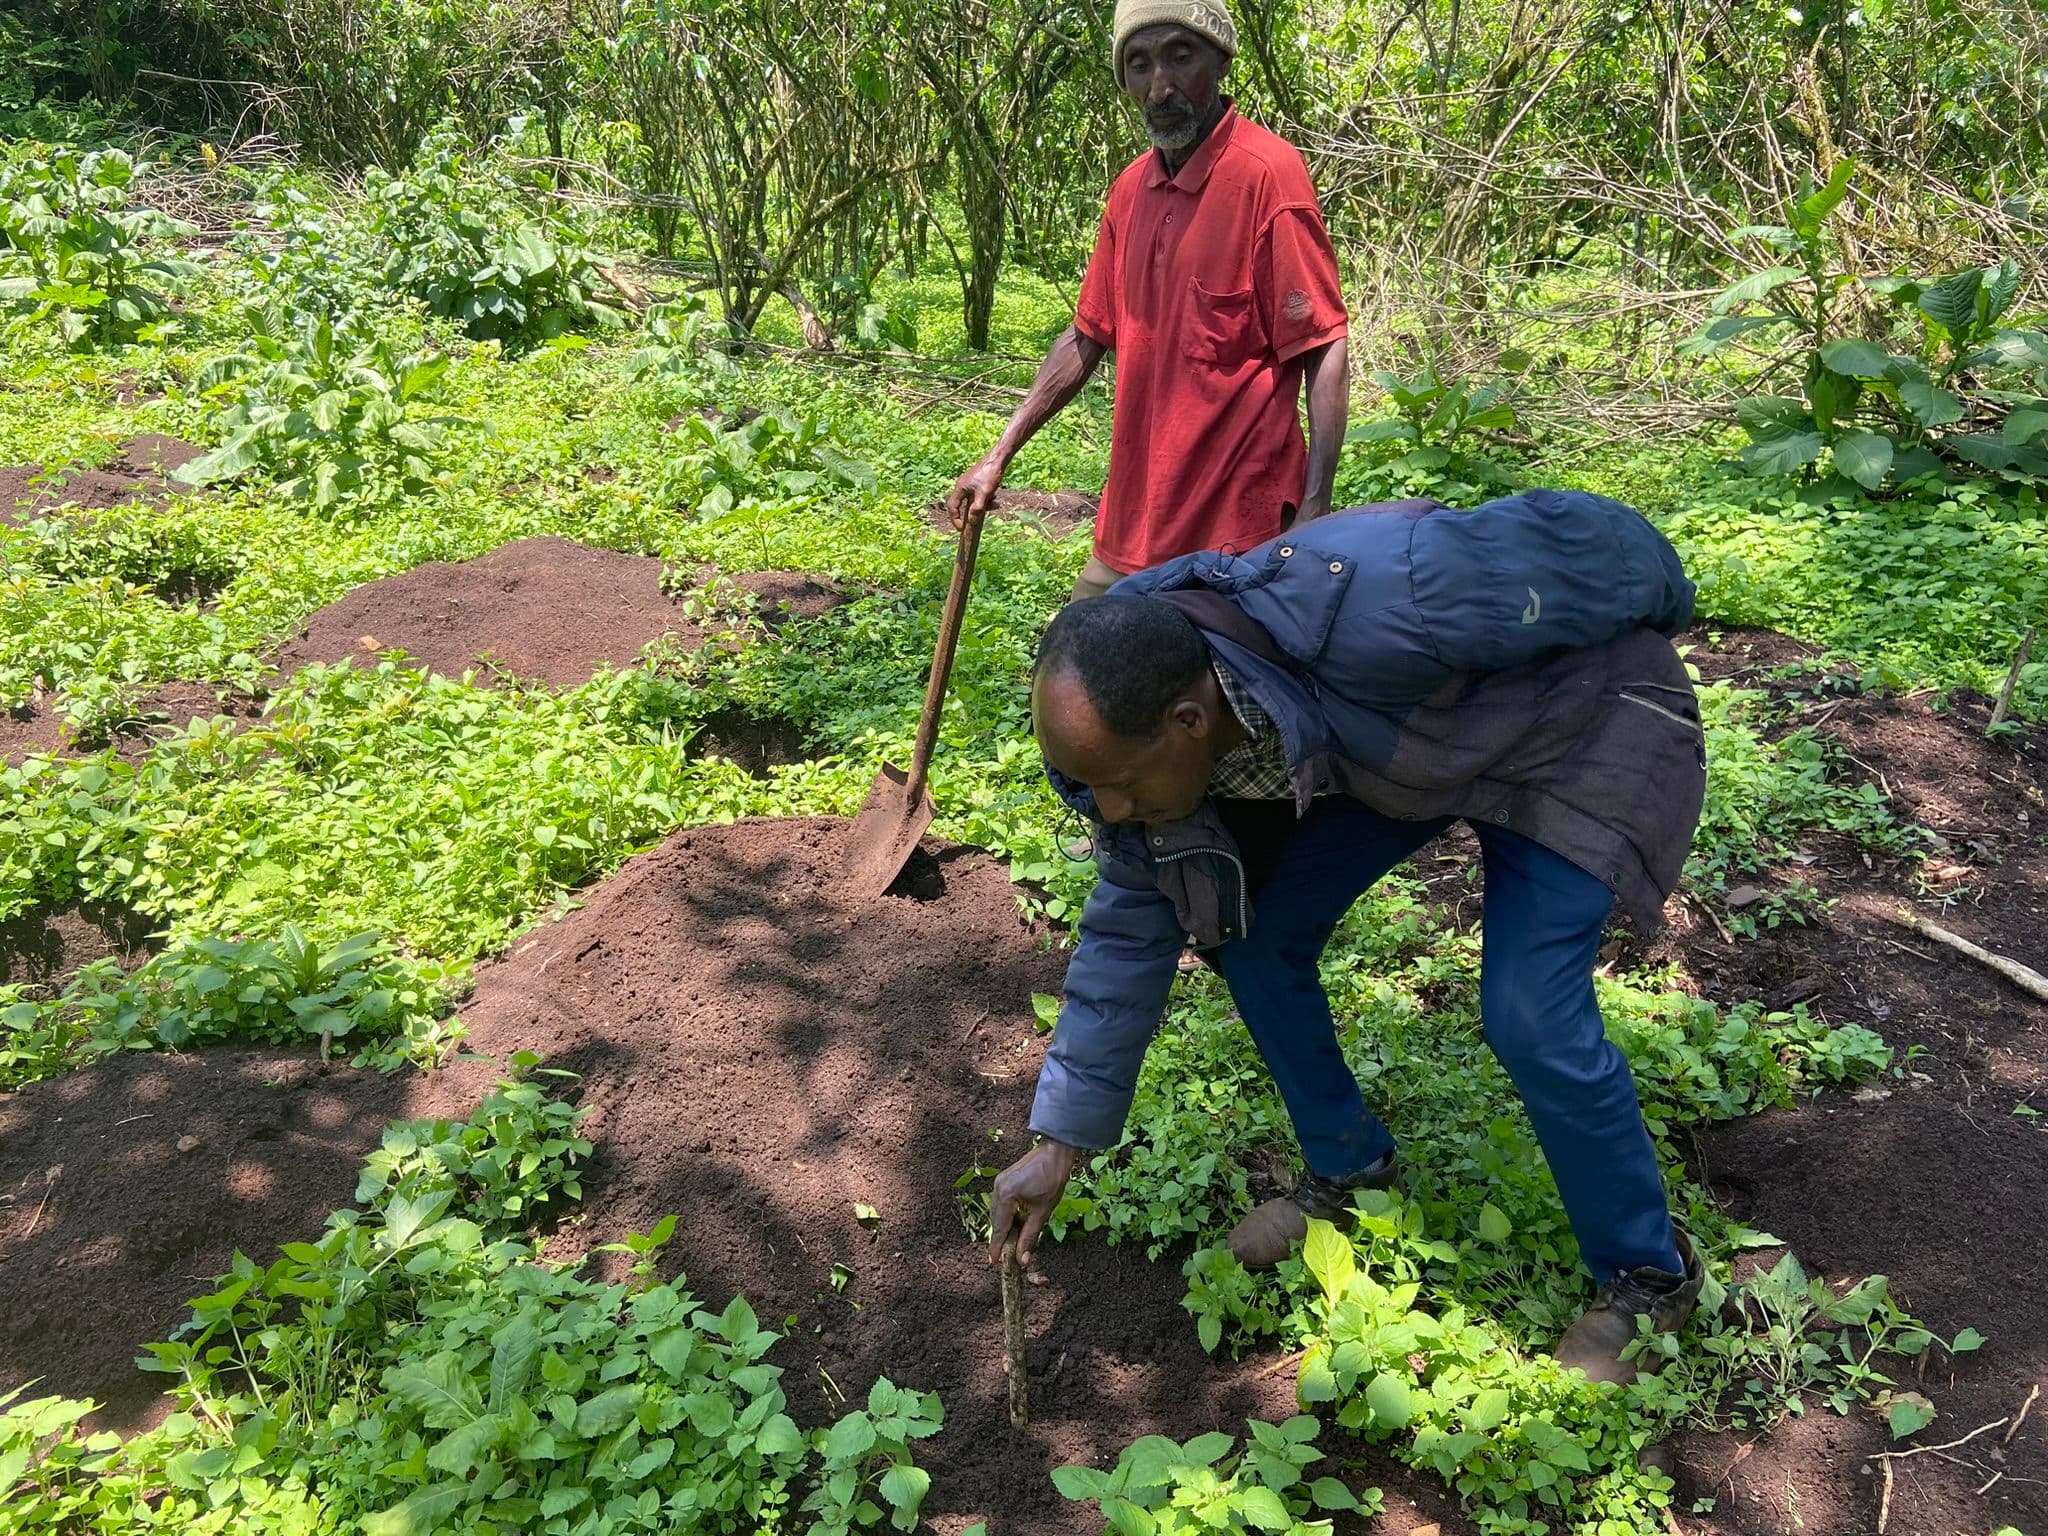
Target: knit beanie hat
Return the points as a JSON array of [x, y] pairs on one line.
[[1207, 17]]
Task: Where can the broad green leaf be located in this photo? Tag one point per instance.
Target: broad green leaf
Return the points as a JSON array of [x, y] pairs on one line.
[[417, 1516], [461, 1450], [1908, 1416], [1952, 302], [1755, 286], [608, 1410], [1329, 1493], [1855, 358], [1128, 1519], [512, 1350], [1494, 1228], [1330, 1258], [1262, 1507], [438, 1387], [1865, 457], [1966, 1341], [903, 1488], [852, 1437], [710, 1413], [1207, 1450], [1488, 1410], [1765, 417], [1389, 1399], [780, 1437], [1929, 404], [2023, 426], [1077, 1482], [1209, 1330], [1810, 212], [1782, 455]]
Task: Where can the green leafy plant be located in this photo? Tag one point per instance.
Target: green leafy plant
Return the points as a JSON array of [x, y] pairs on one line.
[[517, 1151], [71, 248], [323, 412], [206, 990], [475, 252], [1161, 1487], [1888, 409]]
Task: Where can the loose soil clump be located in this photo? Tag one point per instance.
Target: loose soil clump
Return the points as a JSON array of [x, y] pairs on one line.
[[107, 1228], [137, 473], [543, 610], [781, 597], [174, 706], [45, 944], [1054, 513]]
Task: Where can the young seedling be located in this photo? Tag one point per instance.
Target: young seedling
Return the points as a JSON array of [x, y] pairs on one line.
[[1013, 1336]]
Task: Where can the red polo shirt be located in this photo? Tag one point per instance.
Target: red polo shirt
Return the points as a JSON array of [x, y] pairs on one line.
[[1208, 285]]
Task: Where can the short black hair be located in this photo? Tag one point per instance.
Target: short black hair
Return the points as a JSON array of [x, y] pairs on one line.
[[1135, 657]]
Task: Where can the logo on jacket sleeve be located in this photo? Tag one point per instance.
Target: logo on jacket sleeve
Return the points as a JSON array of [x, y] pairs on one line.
[[1534, 611]]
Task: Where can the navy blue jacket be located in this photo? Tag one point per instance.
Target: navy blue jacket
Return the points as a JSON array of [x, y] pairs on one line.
[[1510, 663]]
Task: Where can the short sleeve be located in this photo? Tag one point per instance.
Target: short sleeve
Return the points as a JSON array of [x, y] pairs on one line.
[[1295, 271], [1095, 312]]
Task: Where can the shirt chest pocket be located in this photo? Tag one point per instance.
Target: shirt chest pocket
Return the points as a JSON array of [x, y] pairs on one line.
[[1223, 329]]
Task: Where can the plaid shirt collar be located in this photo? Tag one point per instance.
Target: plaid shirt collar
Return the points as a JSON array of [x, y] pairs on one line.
[[1257, 768]]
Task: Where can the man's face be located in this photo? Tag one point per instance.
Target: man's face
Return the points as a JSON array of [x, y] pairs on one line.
[[1163, 779], [1174, 76]]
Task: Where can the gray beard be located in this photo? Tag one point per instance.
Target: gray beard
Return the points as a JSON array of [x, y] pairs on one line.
[[1172, 140]]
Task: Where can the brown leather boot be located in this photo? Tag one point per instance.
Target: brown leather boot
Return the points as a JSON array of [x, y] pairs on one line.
[[1594, 1343], [1269, 1233]]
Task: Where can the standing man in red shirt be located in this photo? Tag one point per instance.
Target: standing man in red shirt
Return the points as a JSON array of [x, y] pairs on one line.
[[1214, 282]]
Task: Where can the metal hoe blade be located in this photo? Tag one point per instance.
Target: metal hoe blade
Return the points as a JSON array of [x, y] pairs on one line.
[[898, 809]]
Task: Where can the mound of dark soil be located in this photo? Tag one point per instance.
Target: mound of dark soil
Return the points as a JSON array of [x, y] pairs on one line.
[[543, 610], [126, 1188], [1056, 513], [761, 1059], [138, 473], [1930, 1178], [45, 944]]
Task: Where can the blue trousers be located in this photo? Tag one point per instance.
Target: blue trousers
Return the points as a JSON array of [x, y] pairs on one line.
[[1543, 922]]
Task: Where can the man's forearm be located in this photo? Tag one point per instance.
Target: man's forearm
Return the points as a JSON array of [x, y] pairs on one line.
[[1066, 368], [1328, 374]]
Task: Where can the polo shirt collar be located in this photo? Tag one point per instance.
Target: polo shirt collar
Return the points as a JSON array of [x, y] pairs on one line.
[[1195, 173]]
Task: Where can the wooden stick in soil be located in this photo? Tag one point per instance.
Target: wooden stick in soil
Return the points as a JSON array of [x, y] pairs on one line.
[[2025, 977], [1013, 1336], [2019, 660]]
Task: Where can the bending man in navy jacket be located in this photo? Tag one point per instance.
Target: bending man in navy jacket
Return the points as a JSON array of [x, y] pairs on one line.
[[1257, 738]]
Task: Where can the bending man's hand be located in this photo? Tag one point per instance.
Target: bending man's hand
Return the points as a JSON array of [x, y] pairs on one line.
[[1025, 1195]]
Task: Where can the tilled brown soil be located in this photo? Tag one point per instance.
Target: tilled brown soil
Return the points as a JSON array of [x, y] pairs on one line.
[[45, 944], [759, 1061], [126, 1188], [1932, 1178], [1056, 513], [543, 610], [137, 473], [762, 1059]]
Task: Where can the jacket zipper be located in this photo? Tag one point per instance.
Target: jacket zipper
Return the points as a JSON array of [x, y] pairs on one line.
[[1244, 917], [1656, 708]]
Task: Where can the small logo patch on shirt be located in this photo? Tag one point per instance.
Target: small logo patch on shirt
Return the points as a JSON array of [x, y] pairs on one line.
[[1297, 306]]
